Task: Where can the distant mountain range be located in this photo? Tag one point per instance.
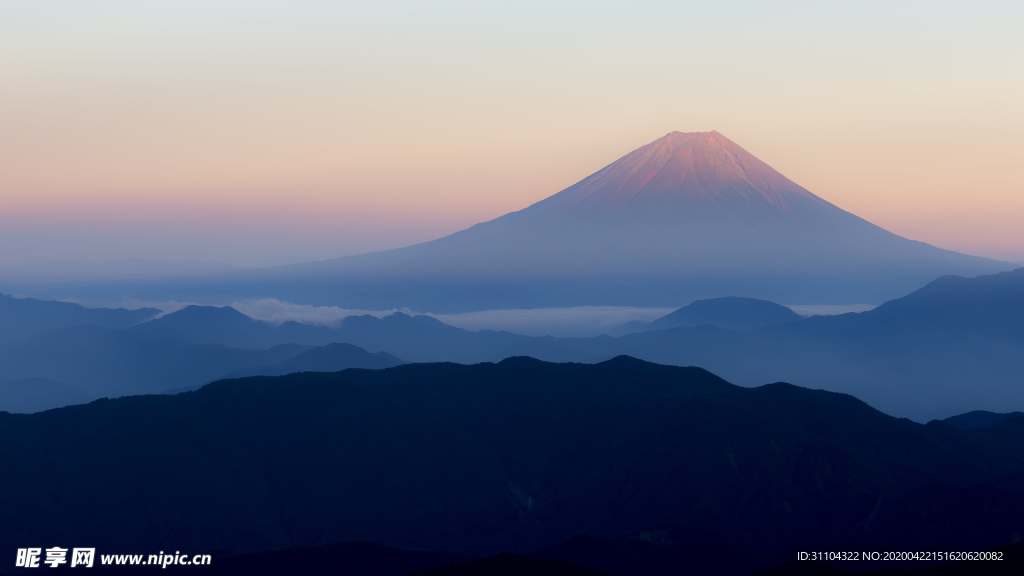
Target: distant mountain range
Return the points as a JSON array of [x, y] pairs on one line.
[[955, 344], [689, 216], [24, 317], [517, 456]]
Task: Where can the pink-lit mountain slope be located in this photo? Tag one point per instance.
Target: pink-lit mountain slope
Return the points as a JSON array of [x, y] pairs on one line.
[[688, 216]]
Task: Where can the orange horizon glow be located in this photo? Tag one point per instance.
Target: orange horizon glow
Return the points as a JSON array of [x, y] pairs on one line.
[[216, 132]]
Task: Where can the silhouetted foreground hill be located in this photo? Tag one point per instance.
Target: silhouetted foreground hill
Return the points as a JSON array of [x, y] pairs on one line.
[[24, 317], [980, 419], [515, 456], [510, 565], [330, 358]]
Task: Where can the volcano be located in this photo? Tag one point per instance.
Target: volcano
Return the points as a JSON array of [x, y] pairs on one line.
[[688, 216]]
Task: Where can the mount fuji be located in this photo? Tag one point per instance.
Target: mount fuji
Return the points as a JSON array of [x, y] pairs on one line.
[[688, 216]]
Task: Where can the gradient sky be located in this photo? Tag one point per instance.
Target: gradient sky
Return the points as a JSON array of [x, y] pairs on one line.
[[257, 132]]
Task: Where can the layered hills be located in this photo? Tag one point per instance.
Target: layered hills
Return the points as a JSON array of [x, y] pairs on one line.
[[80, 363], [519, 456], [953, 345], [24, 317]]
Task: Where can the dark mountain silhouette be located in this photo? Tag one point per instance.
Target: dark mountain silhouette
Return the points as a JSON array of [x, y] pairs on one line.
[[654, 553], [351, 559], [37, 394], [330, 358], [24, 317], [980, 419], [510, 565], [515, 456], [1011, 564], [731, 313]]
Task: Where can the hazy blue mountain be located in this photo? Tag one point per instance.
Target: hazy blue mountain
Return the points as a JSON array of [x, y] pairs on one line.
[[338, 356], [104, 362], [420, 338], [514, 456], [24, 317], [952, 345], [210, 325], [731, 313], [990, 306], [226, 325], [980, 419], [38, 394]]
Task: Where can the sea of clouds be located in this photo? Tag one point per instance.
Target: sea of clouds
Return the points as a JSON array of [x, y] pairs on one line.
[[578, 321]]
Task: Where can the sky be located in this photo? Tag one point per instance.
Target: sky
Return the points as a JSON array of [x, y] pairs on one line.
[[258, 133]]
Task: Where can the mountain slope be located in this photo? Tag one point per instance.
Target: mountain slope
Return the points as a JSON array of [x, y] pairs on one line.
[[512, 456]]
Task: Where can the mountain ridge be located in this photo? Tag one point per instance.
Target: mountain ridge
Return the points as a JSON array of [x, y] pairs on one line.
[[514, 456]]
